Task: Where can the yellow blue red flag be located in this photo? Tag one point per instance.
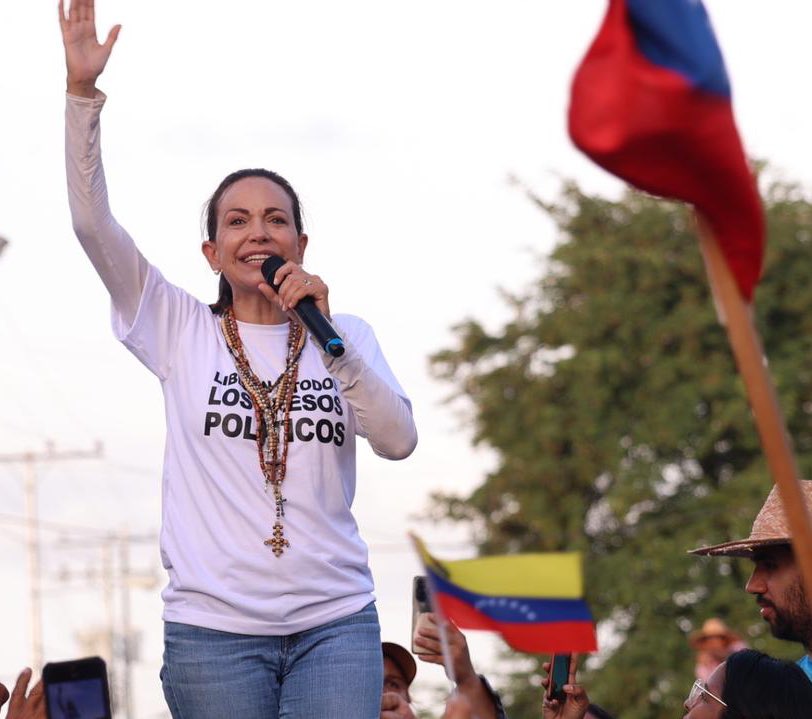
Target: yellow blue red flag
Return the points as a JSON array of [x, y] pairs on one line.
[[651, 103], [535, 601]]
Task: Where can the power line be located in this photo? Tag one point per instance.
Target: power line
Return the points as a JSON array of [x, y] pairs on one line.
[[56, 526]]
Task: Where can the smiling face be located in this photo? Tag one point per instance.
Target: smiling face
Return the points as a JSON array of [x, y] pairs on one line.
[[776, 582], [255, 219]]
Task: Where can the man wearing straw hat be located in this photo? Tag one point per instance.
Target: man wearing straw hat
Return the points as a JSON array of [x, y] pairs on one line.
[[776, 580]]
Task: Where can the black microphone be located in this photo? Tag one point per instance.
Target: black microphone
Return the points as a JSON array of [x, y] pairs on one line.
[[307, 312]]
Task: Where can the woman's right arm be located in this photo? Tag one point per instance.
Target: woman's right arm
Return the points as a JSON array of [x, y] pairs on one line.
[[111, 250]]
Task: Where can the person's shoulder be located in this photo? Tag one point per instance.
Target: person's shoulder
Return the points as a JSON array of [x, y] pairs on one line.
[[173, 306], [352, 325]]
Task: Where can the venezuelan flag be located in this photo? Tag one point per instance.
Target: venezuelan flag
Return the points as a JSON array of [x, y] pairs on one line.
[[535, 601], [651, 103]]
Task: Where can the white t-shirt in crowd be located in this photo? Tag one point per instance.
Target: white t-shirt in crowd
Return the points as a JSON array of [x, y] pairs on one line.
[[216, 511]]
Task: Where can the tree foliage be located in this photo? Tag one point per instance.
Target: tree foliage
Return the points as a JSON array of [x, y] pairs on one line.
[[623, 430]]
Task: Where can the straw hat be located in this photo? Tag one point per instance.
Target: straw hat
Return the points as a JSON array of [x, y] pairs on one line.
[[404, 661], [713, 627], [770, 527]]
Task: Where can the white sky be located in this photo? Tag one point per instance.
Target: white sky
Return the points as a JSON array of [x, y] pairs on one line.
[[398, 124]]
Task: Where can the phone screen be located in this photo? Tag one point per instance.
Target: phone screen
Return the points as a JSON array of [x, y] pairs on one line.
[[76, 688], [77, 698], [559, 676]]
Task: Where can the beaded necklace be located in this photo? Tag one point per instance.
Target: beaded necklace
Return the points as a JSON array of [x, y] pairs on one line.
[[272, 411]]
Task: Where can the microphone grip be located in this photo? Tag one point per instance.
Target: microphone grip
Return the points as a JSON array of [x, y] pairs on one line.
[[308, 314]]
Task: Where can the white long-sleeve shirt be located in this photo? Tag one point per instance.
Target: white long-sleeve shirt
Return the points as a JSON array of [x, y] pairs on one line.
[[216, 512]]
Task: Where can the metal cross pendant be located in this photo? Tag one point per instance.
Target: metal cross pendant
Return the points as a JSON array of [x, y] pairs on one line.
[[277, 543]]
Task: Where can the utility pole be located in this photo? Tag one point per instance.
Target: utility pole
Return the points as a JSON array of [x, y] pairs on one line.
[[128, 643], [29, 460], [109, 623], [115, 641]]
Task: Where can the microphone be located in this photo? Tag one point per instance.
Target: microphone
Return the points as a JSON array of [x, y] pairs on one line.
[[307, 313]]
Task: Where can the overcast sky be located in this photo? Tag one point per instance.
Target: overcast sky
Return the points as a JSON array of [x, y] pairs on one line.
[[398, 123]]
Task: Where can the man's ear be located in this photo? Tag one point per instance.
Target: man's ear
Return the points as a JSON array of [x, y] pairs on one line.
[[210, 252]]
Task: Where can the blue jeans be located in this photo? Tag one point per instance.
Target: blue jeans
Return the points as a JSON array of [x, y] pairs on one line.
[[334, 671]]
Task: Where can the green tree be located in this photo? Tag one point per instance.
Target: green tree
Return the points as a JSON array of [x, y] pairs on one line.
[[623, 430]]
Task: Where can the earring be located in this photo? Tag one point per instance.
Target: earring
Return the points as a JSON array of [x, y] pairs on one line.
[[216, 272]]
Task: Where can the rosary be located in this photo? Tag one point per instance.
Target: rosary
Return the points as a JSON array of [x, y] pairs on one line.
[[272, 410]]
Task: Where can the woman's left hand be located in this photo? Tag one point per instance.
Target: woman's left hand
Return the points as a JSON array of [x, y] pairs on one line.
[[294, 284]]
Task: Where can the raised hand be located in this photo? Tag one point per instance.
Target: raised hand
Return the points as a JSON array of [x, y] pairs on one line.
[[26, 707], [85, 57], [428, 639], [475, 699], [576, 700]]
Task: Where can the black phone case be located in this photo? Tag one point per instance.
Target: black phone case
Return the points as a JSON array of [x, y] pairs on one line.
[[76, 670]]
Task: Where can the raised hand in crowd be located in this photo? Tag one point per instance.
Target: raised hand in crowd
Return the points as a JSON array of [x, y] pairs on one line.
[[469, 683], [21, 706], [85, 57], [576, 703]]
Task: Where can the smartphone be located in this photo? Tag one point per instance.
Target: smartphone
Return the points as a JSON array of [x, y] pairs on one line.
[[421, 604], [77, 688], [559, 676]]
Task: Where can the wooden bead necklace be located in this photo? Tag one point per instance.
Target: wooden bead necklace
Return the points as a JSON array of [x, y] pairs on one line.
[[272, 411]]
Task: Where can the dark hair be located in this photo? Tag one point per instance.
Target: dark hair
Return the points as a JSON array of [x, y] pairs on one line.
[[761, 687], [225, 297], [598, 712]]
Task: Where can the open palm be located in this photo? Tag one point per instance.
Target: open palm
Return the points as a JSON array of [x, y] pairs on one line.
[[85, 57]]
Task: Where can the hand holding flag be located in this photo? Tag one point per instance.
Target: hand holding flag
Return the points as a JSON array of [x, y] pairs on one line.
[[535, 601]]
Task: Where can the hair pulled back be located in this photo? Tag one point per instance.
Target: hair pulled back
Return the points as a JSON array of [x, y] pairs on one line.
[[225, 297]]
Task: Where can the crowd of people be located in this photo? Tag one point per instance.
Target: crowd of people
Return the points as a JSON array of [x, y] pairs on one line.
[[269, 610], [744, 683]]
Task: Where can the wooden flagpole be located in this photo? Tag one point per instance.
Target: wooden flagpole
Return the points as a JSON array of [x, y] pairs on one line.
[[752, 364]]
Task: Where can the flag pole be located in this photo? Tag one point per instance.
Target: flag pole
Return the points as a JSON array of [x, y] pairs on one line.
[[747, 350], [448, 664]]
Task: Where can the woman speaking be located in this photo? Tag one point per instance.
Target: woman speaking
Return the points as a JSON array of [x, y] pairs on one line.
[[268, 611]]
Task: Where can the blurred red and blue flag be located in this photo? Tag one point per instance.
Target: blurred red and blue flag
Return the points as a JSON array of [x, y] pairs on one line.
[[535, 601], [651, 103]]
